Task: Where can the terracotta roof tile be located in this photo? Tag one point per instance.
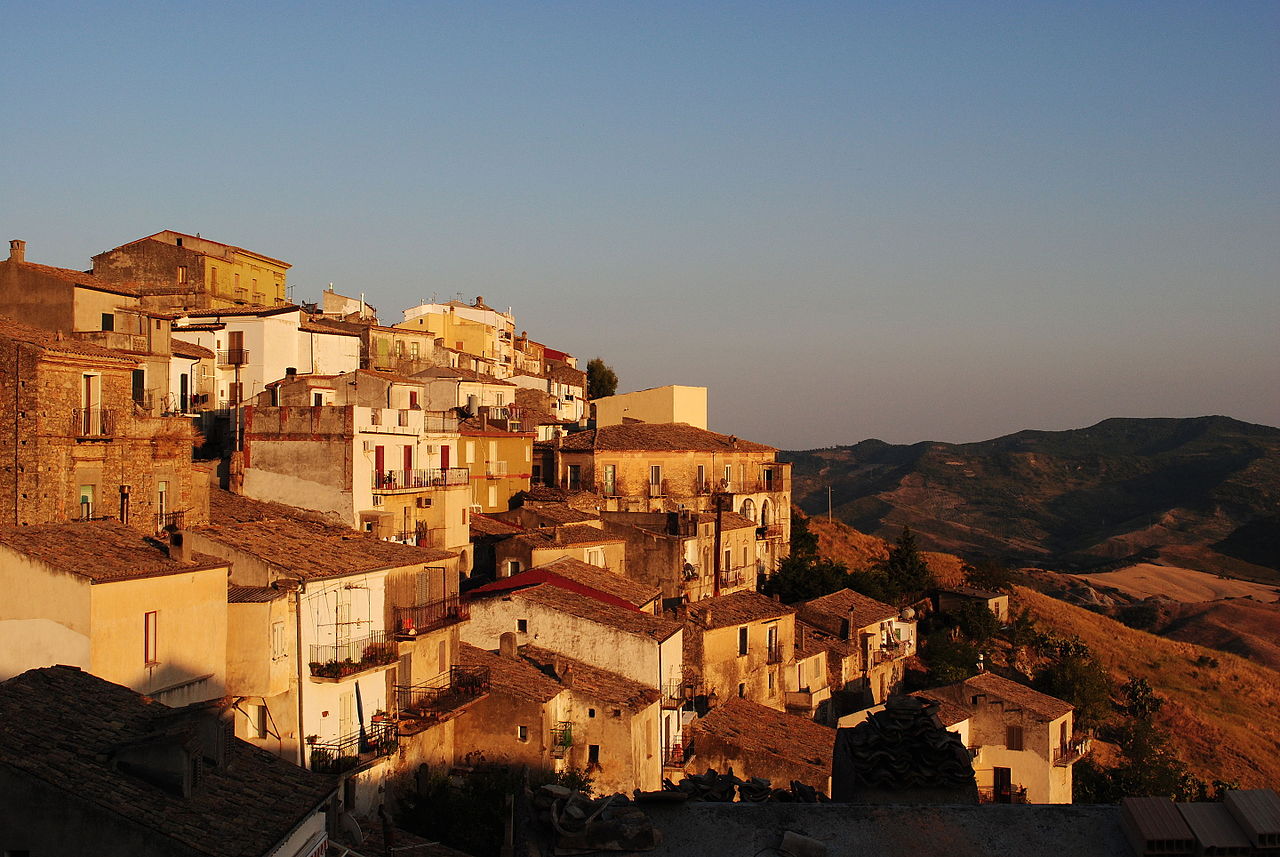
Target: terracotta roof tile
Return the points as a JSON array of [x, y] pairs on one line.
[[629, 621], [251, 309], [101, 551], [737, 609], [312, 327], [561, 513], [510, 676], [570, 534], [631, 591], [759, 730], [990, 684], [658, 437], [16, 331], [62, 726], [828, 611], [591, 681], [484, 525], [182, 348], [310, 551], [84, 279]]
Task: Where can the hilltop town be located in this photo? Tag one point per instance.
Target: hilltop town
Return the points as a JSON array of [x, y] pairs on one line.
[[271, 567]]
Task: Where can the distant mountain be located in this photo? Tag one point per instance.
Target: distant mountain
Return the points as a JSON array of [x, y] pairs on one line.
[[1204, 490]]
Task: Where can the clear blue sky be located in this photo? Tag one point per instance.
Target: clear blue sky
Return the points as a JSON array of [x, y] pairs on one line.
[[899, 220]]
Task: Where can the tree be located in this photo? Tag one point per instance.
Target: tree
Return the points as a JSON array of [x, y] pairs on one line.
[[906, 575], [989, 575], [601, 380], [976, 621], [800, 578], [1076, 677]]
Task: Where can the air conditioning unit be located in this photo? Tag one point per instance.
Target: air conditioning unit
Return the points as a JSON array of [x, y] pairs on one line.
[[424, 502]]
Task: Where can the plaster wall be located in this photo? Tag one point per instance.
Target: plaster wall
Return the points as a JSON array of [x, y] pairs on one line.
[[45, 617], [671, 404]]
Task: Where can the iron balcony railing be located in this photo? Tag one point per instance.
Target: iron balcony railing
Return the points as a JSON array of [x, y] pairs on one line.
[[175, 520], [355, 748], [233, 357], [495, 469], [673, 755], [458, 686], [561, 739], [93, 422], [432, 616], [733, 577], [772, 531], [353, 656], [431, 477], [1073, 751], [1007, 794]]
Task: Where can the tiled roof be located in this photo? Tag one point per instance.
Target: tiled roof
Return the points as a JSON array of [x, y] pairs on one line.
[[182, 348], [633, 592], [972, 592], [737, 609], [152, 237], [252, 594], [62, 727], [809, 640], [949, 712], [590, 681], [252, 309], [756, 729], [183, 328], [833, 643], [484, 525], [659, 437], [861, 611], [567, 375], [16, 331], [1002, 688], [228, 508], [510, 676], [84, 279], [627, 620], [561, 513], [309, 551], [458, 373], [101, 551], [312, 327], [728, 520], [571, 534]]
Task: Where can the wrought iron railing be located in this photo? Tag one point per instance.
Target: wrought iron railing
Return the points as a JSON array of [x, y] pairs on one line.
[[353, 749], [1006, 794], [733, 576], [93, 422], [353, 656], [772, 531], [459, 685], [431, 477], [176, 520], [441, 613], [1074, 750], [233, 357]]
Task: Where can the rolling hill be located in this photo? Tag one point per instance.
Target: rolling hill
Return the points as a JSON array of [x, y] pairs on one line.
[[1201, 492]]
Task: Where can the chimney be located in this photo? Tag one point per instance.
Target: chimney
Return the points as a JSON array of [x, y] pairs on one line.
[[507, 645], [179, 550], [566, 674], [846, 628], [17, 250]]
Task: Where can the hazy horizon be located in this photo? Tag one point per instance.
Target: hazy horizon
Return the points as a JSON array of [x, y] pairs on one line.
[[908, 222]]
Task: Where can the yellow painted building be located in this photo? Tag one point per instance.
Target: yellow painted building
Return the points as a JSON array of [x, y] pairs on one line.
[[670, 404], [100, 596], [500, 463]]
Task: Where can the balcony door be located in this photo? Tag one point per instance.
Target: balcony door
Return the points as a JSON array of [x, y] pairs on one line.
[[1003, 791]]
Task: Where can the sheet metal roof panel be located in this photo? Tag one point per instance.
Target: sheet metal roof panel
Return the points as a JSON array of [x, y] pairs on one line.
[[1257, 811], [1156, 822], [1215, 828]]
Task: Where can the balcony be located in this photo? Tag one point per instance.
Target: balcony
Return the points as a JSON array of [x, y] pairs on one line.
[[93, 422], [233, 357], [673, 755], [658, 489], [170, 520], [354, 749], [677, 694], [392, 481], [334, 663], [422, 705], [495, 469], [733, 577], [772, 531], [1005, 794], [561, 739], [432, 616], [1072, 752]]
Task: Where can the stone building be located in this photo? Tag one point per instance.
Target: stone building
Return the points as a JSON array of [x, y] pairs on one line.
[[176, 271], [76, 443], [741, 646]]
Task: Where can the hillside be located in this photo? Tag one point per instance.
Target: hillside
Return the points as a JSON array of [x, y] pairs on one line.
[[859, 551], [1222, 711], [1200, 492]]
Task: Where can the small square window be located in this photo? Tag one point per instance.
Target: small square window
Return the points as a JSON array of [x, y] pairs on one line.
[[522, 625], [617, 712], [522, 733], [591, 712]]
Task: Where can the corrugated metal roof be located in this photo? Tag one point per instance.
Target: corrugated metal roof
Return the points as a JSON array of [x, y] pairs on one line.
[[1155, 826], [252, 594], [1213, 826], [1257, 811]]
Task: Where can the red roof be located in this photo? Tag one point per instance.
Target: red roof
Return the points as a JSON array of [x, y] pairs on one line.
[[542, 576]]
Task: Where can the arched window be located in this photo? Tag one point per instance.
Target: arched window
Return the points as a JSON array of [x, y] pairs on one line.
[[748, 509], [766, 517]]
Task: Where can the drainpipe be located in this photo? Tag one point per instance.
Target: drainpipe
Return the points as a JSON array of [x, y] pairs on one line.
[[297, 624], [17, 375]]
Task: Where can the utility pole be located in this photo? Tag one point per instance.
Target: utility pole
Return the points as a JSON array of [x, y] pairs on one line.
[[829, 517]]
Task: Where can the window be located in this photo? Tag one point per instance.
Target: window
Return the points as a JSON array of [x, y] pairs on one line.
[[499, 399], [742, 691], [213, 277], [86, 501], [591, 712], [770, 679], [258, 721], [182, 273], [1013, 737], [655, 474], [279, 644], [522, 733], [150, 649], [742, 641], [574, 477], [617, 712], [513, 567], [413, 350], [317, 399], [162, 498], [593, 754], [108, 321], [702, 477], [728, 475], [728, 560], [522, 625], [610, 480], [470, 452]]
